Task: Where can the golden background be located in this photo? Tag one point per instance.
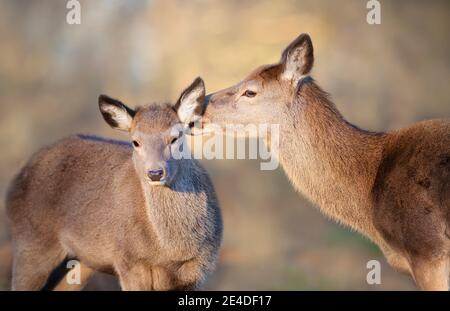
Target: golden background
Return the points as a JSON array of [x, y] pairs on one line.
[[380, 76]]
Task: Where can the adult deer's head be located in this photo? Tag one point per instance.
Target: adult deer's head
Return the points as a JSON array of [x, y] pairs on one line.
[[156, 131], [262, 96]]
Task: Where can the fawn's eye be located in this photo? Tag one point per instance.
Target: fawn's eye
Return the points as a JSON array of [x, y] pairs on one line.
[[135, 143], [191, 124], [249, 93], [174, 140]]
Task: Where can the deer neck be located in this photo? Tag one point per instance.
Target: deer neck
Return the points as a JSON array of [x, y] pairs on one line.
[[329, 160], [175, 212]]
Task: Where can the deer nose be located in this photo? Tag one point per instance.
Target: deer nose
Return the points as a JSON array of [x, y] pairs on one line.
[[156, 175]]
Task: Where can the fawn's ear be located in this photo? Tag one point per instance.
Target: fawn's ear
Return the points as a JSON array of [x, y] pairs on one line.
[[297, 58], [191, 104], [115, 113]]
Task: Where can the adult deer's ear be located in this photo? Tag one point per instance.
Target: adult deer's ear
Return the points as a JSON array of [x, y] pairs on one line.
[[115, 113], [191, 104], [297, 58]]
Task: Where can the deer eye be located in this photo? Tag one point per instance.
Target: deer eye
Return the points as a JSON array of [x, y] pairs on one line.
[[174, 140], [249, 93], [135, 143]]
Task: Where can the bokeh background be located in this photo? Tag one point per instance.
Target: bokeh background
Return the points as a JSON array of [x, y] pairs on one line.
[[381, 77]]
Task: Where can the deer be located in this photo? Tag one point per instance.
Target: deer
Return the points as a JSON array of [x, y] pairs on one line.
[[393, 187], [130, 209]]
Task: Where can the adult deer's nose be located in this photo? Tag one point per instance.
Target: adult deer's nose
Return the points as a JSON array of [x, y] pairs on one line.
[[156, 175]]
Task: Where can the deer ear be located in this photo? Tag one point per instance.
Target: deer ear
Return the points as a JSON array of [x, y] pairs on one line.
[[297, 58], [115, 113], [191, 104]]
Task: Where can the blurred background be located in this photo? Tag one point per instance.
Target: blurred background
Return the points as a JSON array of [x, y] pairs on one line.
[[381, 77]]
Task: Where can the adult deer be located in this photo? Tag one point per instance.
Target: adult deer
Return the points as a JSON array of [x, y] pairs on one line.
[[135, 211], [392, 187]]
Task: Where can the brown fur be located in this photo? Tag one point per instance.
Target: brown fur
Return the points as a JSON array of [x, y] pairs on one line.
[[392, 187], [88, 197]]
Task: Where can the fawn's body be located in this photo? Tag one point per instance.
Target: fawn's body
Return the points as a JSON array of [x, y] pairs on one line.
[[87, 197], [393, 187]]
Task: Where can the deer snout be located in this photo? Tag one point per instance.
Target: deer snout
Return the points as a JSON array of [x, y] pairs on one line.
[[156, 175]]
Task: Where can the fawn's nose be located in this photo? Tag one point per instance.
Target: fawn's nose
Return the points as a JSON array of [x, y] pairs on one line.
[[156, 175]]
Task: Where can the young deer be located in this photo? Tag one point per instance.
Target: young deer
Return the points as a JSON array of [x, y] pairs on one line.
[[134, 211], [392, 187]]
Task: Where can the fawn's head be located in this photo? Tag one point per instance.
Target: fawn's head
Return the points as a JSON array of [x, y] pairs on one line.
[[156, 131], [260, 97]]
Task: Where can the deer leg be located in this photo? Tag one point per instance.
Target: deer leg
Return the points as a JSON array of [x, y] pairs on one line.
[[141, 277], [134, 279], [137, 277], [32, 265], [431, 274], [398, 262]]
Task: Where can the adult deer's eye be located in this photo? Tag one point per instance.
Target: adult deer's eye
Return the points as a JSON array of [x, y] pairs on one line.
[[135, 143], [249, 93]]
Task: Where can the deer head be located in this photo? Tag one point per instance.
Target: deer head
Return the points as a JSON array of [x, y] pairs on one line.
[[156, 131], [264, 94]]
